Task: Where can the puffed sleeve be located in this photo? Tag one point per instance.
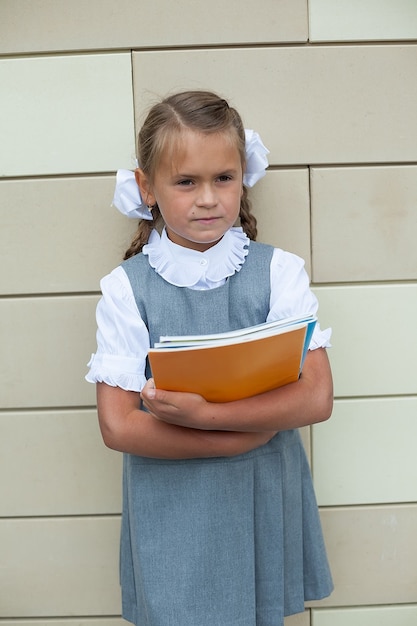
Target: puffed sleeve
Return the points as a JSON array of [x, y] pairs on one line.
[[122, 337], [291, 294]]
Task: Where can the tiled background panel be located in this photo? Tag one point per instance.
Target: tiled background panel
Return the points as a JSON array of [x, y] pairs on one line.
[[57, 567], [370, 447], [300, 619], [69, 233], [366, 20], [59, 465], [319, 105], [372, 553], [281, 205], [374, 338], [66, 114], [80, 621], [364, 223], [65, 566], [52, 25], [367, 616], [46, 25], [48, 342]]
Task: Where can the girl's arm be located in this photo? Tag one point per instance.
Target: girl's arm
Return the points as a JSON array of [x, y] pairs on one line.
[[307, 401], [126, 428]]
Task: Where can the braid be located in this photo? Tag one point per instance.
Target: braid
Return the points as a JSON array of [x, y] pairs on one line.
[[141, 237], [247, 219]]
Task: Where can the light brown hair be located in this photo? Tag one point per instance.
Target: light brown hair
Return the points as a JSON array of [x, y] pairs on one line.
[[204, 112]]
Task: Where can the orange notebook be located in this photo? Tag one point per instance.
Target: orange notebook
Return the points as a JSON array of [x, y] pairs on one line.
[[235, 365]]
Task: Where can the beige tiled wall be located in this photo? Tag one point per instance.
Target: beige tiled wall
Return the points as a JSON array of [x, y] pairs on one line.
[[58, 464], [282, 207], [338, 97], [331, 87], [66, 114], [361, 446], [358, 210], [55, 25], [374, 337], [366, 20], [60, 566], [368, 616], [84, 238], [372, 554]]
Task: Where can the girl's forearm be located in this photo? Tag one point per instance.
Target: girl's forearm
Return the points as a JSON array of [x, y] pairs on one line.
[[126, 428], [280, 409], [143, 435]]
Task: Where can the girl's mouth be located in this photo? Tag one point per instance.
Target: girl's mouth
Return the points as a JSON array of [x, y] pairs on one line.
[[207, 220]]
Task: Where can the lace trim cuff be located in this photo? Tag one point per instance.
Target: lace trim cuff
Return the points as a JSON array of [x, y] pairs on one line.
[[116, 371], [321, 338]]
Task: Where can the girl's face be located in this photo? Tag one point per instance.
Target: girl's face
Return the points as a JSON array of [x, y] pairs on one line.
[[199, 191]]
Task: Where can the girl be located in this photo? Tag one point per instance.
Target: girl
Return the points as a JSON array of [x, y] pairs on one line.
[[220, 525]]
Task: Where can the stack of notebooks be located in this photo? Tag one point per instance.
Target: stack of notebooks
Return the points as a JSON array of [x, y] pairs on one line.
[[233, 365]]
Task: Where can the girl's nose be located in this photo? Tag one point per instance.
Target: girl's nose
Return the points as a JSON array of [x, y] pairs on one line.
[[207, 196]]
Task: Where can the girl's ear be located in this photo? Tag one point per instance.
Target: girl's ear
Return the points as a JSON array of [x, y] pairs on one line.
[[144, 187]]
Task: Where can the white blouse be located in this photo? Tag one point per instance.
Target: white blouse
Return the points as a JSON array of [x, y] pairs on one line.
[[122, 337]]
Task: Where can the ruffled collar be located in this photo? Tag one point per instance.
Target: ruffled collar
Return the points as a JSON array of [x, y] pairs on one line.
[[184, 267]]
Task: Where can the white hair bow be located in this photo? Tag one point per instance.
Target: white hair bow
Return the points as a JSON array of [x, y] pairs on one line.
[[127, 196], [256, 161]]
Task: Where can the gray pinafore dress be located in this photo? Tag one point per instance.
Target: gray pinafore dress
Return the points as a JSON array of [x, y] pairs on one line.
[[221, 541]]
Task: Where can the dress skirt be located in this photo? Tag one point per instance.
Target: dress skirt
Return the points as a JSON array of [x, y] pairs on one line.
[[221, 542]]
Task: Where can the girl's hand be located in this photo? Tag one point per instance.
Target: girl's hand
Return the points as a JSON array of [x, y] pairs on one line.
[[183, 409]]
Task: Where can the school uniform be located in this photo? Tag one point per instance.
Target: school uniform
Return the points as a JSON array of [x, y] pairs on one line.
[[226, 541]]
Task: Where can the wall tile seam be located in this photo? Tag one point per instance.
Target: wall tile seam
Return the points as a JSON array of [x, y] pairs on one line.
[[49, 294], [349, 607], [281, 167], [50, 410], [404, 282], [62, 619], [402, 396], [310, 221], [159, 48], [363, 42], [63, 53], [47, 410], [67, 517], [68, 295], [350, 165], [211, 47], [41, 411], [145, 49], [272, 167], [64, 176], [365, 507]]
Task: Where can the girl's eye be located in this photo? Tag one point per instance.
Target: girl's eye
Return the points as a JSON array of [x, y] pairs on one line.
[[186, 182], [224, 178]]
